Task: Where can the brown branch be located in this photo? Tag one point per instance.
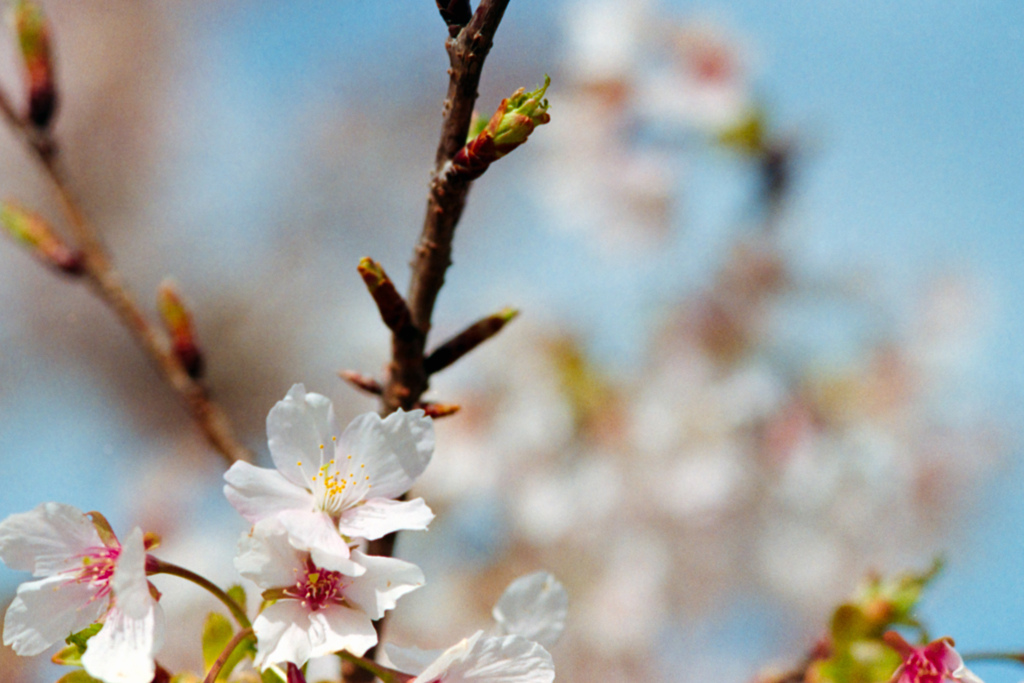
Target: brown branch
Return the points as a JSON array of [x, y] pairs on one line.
[[225, 654], [392, 307], [407, 379], [467, 340], [106, 284], [362, 382], [456, 14]]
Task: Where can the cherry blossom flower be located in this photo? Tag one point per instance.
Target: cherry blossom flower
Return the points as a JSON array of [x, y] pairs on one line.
[[936, 662], [88, 576], [485, 659], [317, 611], [533, 609], [329, 486]]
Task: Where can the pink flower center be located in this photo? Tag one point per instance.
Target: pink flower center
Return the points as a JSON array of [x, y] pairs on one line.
[[923, 669], [317, 587], [98, 565]]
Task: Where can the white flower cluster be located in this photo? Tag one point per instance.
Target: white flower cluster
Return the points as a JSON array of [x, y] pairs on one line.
[[312, 516]]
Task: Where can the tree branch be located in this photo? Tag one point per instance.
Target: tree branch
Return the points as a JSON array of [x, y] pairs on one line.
[[407, 378], [106, 284]]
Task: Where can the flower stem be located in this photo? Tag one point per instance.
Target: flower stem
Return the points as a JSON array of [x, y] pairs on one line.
[[214, 671], [155, 566], [382, 672]]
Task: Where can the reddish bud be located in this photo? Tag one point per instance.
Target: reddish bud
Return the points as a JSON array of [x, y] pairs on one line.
[[178, 322], [510, 126], [295, 674], [438, 410], [34, 40], [34, 233]]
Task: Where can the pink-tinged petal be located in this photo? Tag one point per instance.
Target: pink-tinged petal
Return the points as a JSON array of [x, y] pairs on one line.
[[47, 539], [339, 628], [282, 634], [315, 532], [509, 659], [47, 611], [131, 589], [453, 656], [535, 607], [122, 652], [258, 492], [941, 653], [266, 557], [378, 517], [297, 427], [395, 450], [965, 675], [409, 660], [386, 579]]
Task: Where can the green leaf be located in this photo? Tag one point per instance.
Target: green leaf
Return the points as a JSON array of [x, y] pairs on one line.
[[270, 676], [81, 639], [78, 676], [217, 633], [186, 677], [237, 593], [69, 656]]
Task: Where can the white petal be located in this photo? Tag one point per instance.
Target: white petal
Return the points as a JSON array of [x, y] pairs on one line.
[[131, 590], [535, 607], [316, 533], [395, 450], [259, 492], [510, 659], [337, 628], [122, 652], [288, 632], [965, 675], [379, 517], [282, 634], [296, 428], [386, 579], [47, 539], [408, 660], [266, 557], [47, 611]]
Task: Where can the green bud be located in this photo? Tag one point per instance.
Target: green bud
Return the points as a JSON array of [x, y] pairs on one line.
[[517, 116]]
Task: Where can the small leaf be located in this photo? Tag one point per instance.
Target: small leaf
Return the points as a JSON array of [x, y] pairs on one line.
[[237, 593], [217, 633], [186, 677], [81, 638], [269, 675], [69, 656], [78, 676]]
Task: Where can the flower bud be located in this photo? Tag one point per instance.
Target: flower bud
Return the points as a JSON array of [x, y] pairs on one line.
[[34, 40], [511, 124], [517, 116], [34, 232], [178, 321]]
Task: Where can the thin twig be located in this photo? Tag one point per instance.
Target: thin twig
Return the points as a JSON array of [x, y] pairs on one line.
[[156, 566], [407, 378], [467, 340], [225, 654], [106, 284], [467, 50]]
